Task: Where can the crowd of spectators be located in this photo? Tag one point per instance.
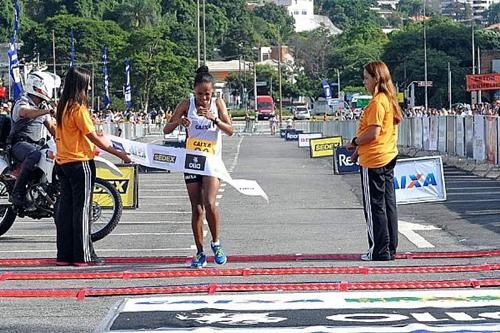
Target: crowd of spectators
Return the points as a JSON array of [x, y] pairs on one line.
[[459, 109]]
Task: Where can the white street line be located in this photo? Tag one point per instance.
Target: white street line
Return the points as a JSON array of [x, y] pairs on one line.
[[235, 160], [221, 190], [223, 184], [157, 212], [118, 234], [163, 197], [472, 201], [473, 188], [408, 229], [471, 193], [166, 190], [218, 196], [192, 247], [120, 223]]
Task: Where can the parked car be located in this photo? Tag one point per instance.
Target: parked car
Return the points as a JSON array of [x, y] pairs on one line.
[[301, 113]]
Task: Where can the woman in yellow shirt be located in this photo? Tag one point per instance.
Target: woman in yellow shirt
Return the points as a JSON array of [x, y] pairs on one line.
[[375, 146], [76, 139]]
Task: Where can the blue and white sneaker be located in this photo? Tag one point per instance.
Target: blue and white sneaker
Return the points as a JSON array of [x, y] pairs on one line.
[[199, 260], [219, 256]]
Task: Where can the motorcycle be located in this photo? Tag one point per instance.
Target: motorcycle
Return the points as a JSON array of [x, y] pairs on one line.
[[43, 190]]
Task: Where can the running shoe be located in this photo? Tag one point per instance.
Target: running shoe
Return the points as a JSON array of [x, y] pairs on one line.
[[219, 256], [199, 261]]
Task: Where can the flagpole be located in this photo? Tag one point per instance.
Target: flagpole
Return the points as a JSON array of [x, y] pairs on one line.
[[54, 57], [204, 36], [198, 29]]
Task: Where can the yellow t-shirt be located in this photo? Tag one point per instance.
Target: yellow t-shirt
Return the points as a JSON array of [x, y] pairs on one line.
[[71, 140], [379, 152]]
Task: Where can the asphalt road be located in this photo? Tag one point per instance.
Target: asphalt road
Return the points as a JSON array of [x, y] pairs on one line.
[[311, 210]]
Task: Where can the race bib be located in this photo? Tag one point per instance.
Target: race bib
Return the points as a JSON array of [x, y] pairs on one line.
[[205, 146]]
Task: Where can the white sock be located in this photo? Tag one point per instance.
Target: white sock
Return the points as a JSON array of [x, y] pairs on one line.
[[215, 243]]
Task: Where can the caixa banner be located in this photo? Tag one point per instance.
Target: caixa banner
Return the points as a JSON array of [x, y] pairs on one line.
[[419, 180], [342, 163]]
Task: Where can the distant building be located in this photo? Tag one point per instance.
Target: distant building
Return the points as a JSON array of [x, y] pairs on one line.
[[303, 13]]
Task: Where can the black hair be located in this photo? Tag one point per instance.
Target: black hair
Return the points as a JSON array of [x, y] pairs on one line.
[[203, 76], [76, 83]]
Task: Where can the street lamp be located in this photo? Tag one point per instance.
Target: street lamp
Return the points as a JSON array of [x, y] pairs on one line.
[[425, 61]]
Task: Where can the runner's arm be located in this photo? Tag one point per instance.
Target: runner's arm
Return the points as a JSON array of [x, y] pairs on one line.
[[178, 118]]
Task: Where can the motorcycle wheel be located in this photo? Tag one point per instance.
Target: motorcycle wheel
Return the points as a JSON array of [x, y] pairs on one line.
[[106, 209], [7, 213]]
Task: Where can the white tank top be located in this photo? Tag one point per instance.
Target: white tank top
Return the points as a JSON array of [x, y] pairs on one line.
[[203, 134]]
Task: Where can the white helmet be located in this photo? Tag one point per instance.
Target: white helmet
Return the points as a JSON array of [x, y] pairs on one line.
[[42, 84]]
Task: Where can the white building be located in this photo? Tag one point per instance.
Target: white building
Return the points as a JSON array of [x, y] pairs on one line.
[[303, 13], [480, 6]]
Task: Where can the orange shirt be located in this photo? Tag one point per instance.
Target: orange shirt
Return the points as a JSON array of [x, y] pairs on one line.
[[379, 152], [71, 140]]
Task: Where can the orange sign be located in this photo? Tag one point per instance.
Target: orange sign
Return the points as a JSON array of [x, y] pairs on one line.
[[483, 82]]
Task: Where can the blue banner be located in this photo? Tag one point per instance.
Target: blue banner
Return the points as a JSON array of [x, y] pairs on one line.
[[107, 100], [128, 89], [343, 163], [13, 59], [72, 59], [326, 90]]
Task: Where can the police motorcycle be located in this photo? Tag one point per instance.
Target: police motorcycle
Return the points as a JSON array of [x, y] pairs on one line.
[[43, 188]]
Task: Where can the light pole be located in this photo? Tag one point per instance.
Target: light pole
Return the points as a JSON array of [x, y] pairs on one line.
[[338, 82], [204, 36], [425, 61], [279, 82], [198, 30]]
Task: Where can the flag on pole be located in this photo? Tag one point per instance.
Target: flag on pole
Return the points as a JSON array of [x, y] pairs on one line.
[[128, 89], [13, 59], [107, 100], [72, 61], [327, 91]]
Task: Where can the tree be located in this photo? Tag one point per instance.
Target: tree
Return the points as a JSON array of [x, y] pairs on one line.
[[136, 14], [349, 13]]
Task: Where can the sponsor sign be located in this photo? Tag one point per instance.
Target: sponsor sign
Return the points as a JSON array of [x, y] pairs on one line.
[[419, 180], [292, 134], [324, 146], [393, 311], [195, 162], [127, 185], [185, 160], [305, 137], [205, 146], [423, 84], [282, 132], [483, 82], [342, 161]]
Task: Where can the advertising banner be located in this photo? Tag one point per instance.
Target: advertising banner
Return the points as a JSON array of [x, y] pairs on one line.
[[282, 132], [186, 161], [469, 137], [491, 139], [442, 134], [292, 134], [342, 161], [417, 143], [479, 151], [460, 136], [483, 82], [126, 185], [450, 135], [425, 133], [305, 137], [419, 180], [324, 146], [433, 133]]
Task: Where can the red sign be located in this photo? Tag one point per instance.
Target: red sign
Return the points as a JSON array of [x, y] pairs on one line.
[[3, 92], [483, 82]]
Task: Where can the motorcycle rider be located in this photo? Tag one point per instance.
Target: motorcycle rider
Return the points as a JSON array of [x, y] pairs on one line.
[[30, 114]]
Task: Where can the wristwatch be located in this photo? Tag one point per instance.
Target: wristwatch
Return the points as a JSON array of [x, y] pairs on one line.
[[353, 141], [216, 121]]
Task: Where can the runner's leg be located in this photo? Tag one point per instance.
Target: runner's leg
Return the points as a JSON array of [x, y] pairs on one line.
[[210, 190], [197, 213]]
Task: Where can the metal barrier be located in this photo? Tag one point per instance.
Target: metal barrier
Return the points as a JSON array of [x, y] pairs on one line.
[[474, 137]]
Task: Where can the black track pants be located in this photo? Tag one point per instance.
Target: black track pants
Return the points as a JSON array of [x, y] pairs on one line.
[[379, 201], [73, 214]]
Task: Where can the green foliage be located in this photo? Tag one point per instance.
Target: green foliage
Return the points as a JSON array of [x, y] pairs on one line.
[[493, 13]]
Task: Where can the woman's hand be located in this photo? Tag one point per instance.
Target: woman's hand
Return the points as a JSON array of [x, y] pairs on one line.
[[124, 156], [205, 112], [184, 121], [350, 146], [354, 156]]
